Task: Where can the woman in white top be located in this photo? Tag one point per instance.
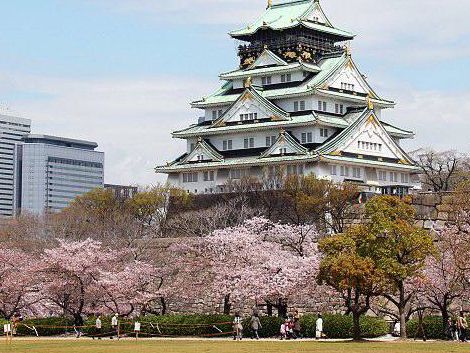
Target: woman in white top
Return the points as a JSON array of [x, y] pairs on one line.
[[319, 327]]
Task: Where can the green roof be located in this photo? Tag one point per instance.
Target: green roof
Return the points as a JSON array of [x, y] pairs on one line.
[[290, 14], [236, 162], [238, 74], [327, 66], [341, 122], [369, 162]]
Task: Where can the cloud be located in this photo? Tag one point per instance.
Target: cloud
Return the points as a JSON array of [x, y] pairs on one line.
[[131, 119], [417, 30], [439, 118]]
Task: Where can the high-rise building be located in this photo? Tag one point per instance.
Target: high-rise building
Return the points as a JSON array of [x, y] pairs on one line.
[[12, 130], [297, 104], [55, 170]]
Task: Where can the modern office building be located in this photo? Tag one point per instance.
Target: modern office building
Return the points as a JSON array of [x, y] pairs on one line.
[[12, 130], [55, 170], [296, 104], [122, 192]]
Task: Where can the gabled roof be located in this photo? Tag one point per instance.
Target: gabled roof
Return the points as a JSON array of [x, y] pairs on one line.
[[252, 93], [238, 74], [242, 162], [204, 148], [289, 14], [329, 67], [335, 145], [285, 141], [267, 58]]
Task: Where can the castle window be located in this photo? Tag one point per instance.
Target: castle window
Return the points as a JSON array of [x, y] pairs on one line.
[[339, 108], [227, 145], [322, 106], [249, 142], [347, 86], [333, 170], [209, 176], [286, 78], [394, 177], [295, 169], [299, 106], [214, 114], [307, 137], [266, 80], [323, 132], [382, 175], [270, 140], [356, 172], [237, 174], [190, 177], [344, 171], [405, 178], [220, 113], [248, 116]]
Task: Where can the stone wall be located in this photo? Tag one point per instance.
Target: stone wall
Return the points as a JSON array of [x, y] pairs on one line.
[[433, 209]]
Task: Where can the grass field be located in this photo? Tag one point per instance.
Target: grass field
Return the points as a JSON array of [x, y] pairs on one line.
[[183, 346]]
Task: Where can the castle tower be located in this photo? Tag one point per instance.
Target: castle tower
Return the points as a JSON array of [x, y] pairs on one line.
[[297, 104]]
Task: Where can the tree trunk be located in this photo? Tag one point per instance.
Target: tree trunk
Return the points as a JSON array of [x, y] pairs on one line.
[[445, 314], [163, 306], [77, 320], [356, 325], [282, 308], [227, 305], [269, 309], [402, 312]]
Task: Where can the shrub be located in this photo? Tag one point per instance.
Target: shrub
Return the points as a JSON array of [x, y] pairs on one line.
[[341, 326], [433, 327], [52, 326]]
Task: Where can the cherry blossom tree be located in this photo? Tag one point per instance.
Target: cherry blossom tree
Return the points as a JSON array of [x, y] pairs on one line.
[[259, 260], [18, 285], [130, 291], [445, 280], [84, 278]]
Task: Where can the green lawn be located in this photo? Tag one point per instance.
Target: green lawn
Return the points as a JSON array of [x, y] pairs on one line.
[[85, 346]]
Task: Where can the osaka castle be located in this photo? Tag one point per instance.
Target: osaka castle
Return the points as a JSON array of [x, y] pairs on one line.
[[297, 104]]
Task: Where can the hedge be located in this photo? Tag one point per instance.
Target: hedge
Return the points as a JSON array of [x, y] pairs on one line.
[[433, 327], [45, 328], [335, 326], [169, 325], [341, 326]]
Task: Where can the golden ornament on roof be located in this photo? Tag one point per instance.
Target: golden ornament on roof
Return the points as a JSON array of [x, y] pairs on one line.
[[249, 61], [248, 82], [370, 104], [306, 55], [290, 54]]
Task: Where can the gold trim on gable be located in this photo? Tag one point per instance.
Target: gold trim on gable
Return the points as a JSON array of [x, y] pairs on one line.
[[336, 153]]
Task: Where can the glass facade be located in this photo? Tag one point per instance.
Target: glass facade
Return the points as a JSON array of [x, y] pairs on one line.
[[12, 130], [53, 175]]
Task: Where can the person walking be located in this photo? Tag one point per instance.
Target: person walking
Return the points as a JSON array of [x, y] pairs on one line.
[[255, 326], [319, 327], [237, 327], [115, 325], [462, 325], [98, 327], [297, 327]]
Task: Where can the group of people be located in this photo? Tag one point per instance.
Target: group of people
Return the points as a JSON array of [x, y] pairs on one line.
[[457, 330], [290, 328]]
